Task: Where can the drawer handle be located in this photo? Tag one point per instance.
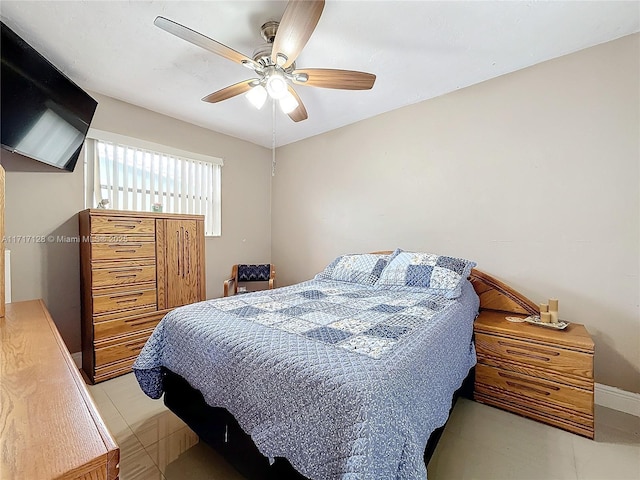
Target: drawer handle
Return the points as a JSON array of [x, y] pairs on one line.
[[526, 380], [120, 245], [122, 220], [136, 346], [136, 323], [528, 355], [127, 270], [530, 348], [131, 300], [133, 275], [137, 294]]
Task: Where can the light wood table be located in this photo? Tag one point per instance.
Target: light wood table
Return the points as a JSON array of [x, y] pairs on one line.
[[49, 426]]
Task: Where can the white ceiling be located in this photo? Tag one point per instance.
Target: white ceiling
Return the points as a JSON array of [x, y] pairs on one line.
[[418, 50]]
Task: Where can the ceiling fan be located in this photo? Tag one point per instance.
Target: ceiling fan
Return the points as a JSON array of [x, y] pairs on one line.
[[274, 62]]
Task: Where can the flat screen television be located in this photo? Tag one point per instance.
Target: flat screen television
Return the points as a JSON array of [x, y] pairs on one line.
[[45, 116]]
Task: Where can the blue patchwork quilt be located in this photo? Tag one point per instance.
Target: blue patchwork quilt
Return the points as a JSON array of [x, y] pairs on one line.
[[346, 381]]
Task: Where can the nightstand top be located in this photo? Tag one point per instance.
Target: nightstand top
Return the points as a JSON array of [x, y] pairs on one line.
[[574, 337]]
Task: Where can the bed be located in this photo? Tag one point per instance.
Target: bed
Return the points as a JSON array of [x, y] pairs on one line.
[[344, 376]]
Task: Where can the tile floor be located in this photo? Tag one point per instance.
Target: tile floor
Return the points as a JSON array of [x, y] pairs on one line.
[[480, 442]]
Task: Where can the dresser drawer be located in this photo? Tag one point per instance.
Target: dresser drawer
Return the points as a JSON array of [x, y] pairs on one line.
[[534, 354], [105, 331], [124, 300], [123, 275], [122, 225], [544, 391], [113, 370], [129, 347], [123, 250]]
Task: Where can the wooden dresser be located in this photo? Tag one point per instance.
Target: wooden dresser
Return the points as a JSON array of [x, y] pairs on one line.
[[135, 267], [49, 426], [537, 372]]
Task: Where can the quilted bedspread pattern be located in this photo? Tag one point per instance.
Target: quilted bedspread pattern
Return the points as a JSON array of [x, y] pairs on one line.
[[345, 381]]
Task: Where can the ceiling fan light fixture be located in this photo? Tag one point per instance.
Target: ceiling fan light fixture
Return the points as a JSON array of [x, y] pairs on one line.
[[257, 96], [288, 103], [277, 85]]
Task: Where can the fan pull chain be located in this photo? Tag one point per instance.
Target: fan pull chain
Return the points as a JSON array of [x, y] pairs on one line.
[[273, 138]]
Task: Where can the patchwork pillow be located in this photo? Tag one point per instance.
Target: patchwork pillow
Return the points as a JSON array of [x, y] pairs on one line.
[[363, 268], [439, 274]]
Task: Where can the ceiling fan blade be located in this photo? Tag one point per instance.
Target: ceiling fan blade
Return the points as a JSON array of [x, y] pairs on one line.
[[300, 113], [230, 91], [329, 78], [203, 41], [298, 23]]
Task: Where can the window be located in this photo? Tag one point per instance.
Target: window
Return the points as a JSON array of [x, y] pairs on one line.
[[136, 175]]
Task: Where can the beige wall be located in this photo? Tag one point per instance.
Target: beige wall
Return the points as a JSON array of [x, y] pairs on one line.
[[44, 201], [534, 175]]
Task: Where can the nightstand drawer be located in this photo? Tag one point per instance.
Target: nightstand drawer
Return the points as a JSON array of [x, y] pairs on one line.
[[545, 356], [544, 391]]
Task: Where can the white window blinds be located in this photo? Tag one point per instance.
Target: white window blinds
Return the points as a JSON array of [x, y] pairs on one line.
[[133, 177]]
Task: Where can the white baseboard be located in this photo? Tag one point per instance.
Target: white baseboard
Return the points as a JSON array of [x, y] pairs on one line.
[[621, 400], [77, 357]]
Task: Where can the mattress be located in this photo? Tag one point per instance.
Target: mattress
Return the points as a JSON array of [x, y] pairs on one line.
[[341, 379]]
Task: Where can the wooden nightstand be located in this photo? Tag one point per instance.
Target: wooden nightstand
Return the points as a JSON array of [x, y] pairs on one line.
[[536, 372]]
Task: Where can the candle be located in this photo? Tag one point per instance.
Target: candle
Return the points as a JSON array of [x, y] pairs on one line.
[[545, 317], [553, 309], [544, 307]]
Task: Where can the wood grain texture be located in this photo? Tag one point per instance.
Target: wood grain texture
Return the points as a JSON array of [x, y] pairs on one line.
[[495, 295], [548, 357], [120, 225], [121, 349], [123, 250], [126, 326], [125, 283], [200, 40], [515, 384], [183, 263], [230, 91], [569, 421], [113, 301], [574, 337], [113, 370], [201, 260], [340, 79], [300, 112], [161, 264], [116, 274], [49, 427], [298, 23], [2, 243], [536, 372]]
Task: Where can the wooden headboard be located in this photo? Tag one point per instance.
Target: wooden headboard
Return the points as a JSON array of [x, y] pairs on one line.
[[495, 295]]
